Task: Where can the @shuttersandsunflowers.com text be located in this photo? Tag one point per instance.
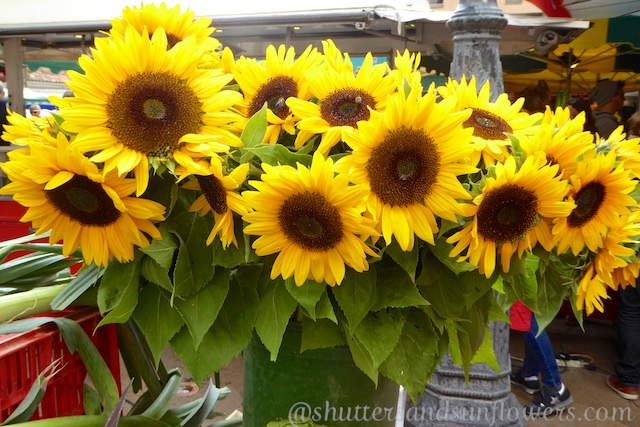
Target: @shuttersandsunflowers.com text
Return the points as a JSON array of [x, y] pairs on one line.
[[303, 412]]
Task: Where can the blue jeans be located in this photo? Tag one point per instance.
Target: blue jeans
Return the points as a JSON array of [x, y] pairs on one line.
[[628, 362], [539, 357]]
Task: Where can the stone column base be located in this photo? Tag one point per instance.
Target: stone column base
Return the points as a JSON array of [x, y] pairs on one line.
[[437, 410]]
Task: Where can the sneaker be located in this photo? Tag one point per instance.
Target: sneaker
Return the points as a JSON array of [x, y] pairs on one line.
[[627, 392], [546, 402], [528, 384]]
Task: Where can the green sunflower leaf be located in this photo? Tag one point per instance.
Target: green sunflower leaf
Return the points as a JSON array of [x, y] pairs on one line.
[[200, 310], [231, 331], [162, 251], [308, 295], [255, 129], [459, 346], [407, 260], [154, 273], [486, 353], [356, 295], [362, 357], [394, 288], [552, 288], [321, 333], [118, 291], [232, 256], [379, 333], [280, 155], [522, 280], [157, 320], [274, 312], [325, 310], [440, 287], [415, 357], [194, 264]]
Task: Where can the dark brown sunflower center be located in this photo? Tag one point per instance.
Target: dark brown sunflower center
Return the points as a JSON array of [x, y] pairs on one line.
[[311, 222], [487, 125], [84, 201], [275, 93], [346, 107], [172, 40], [403, 169], [588, 202], [214, 192], [507, 213], [150, 112], [551, 161]]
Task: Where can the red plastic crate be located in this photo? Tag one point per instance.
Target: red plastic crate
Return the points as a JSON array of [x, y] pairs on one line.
[[23, 356], [12, 228]]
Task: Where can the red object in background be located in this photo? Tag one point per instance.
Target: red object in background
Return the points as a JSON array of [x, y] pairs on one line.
[[10, 225], [12, 228], [552, 8], [23, 356]]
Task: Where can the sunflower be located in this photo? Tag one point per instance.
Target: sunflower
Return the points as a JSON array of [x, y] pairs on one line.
[[139, 103], [627, 275], [65, 193], [409, 158], [561, 140], [490, 121], [273, 81], [614, 254], [406, 69], [178, 26], [509, 215], [22, 130], [600, 273], [618, 263], [344, 99], [219, 198], [591, 290], [627, 150], [312, 219], [600, 191]]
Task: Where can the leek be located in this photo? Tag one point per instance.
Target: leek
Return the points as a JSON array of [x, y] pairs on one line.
[[27, 303]]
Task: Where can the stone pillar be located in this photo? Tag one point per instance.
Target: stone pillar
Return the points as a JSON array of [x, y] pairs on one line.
[[487, 399], [476, 26], [14, 73]]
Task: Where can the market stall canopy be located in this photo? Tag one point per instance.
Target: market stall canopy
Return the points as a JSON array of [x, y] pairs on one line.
[[609, 49], [248, 27]]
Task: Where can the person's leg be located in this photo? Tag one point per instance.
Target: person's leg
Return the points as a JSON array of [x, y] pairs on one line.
[[553, 396], [539, 352], [530, 363], [628, 363]]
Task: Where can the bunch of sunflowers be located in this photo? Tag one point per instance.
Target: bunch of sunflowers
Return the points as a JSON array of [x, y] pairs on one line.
[[213, 196]]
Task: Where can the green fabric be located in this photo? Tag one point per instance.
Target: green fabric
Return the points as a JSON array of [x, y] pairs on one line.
[[624, 29], [55, 66]]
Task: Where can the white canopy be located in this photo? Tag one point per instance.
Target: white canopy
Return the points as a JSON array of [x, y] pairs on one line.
[[249, 26]]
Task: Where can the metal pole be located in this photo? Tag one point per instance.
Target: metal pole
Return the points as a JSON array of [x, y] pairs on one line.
[[487, 399]]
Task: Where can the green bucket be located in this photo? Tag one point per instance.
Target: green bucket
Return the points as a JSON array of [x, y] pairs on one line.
[[322, 385]]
